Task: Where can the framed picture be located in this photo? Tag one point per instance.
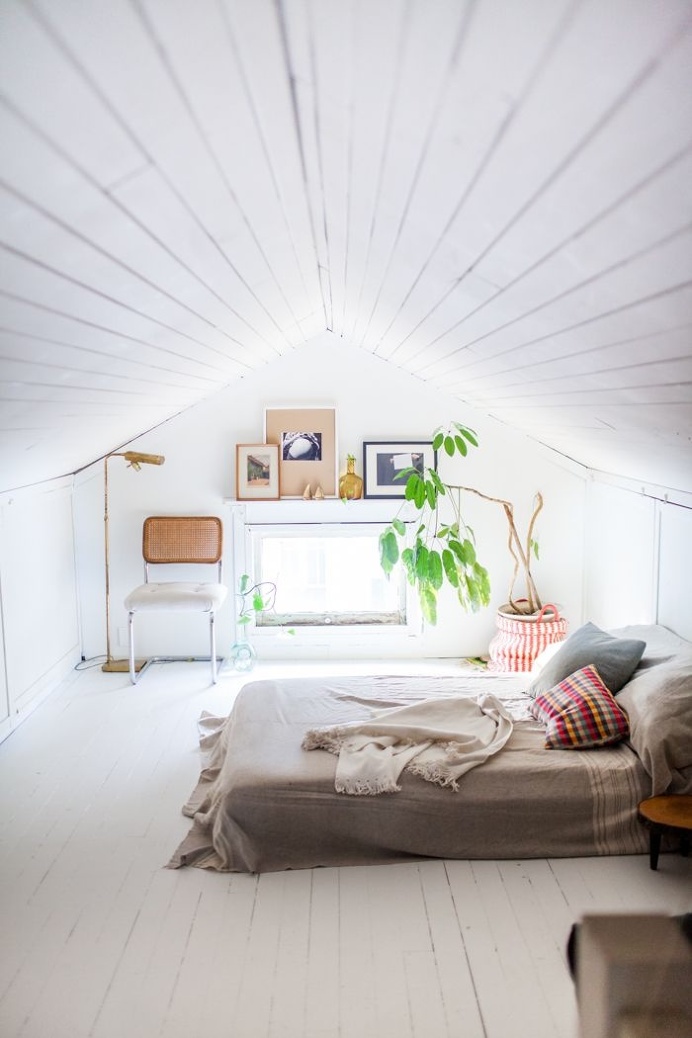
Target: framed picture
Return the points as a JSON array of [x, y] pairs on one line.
[[384, 462], [256, 471], [306, 438]]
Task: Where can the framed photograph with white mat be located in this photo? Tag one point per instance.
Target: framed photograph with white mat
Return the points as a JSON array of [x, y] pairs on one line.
[[385, 462], [256, 471], [306, 438]]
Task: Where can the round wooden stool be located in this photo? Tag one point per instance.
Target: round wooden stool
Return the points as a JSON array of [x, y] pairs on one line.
[[666, 814]]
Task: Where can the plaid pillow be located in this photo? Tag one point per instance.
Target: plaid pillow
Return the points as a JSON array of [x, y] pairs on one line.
[[580, 713]]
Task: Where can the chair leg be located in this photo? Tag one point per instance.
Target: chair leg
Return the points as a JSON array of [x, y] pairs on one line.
[[131, 644], [212, 646]]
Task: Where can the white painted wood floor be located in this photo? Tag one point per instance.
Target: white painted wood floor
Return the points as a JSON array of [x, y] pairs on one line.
[[99, 939]]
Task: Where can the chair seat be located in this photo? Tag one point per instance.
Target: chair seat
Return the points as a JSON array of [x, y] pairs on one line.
[[177, 594]]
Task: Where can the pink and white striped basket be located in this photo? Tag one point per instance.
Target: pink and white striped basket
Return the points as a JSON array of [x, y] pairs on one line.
[[519, 639]]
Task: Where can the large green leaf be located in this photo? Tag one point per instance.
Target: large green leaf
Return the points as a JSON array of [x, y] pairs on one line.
[[412, 486], [469, 552], [428, 602], [435, 572], [461, 445], [439, 485], [421, 562], [450, 568], [467, 433], [408, 561], [389, 550]]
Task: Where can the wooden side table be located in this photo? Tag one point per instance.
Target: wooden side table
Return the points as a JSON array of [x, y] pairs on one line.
[[666, 814]]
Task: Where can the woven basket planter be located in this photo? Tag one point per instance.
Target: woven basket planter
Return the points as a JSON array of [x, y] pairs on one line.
[[519, 639]]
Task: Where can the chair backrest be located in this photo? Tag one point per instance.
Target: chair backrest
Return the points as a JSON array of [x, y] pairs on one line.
[[182, 539]]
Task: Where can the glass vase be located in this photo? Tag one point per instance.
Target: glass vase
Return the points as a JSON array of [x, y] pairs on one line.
[[242, 655], [350, 484]]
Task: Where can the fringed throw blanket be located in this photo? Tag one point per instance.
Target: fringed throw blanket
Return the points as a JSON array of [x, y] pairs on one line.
[[438, 739]]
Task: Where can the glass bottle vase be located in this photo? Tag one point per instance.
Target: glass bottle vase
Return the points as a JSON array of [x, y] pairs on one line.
[[350, 484]]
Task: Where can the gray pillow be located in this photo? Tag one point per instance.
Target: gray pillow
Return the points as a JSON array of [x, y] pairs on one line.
[[615, 659]]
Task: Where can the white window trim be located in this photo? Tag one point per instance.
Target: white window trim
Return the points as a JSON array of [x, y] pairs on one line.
[[307, 515]]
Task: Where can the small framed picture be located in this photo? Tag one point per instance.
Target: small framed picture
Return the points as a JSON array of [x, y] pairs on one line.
[[385, 462], [257, 471], [306, 439]]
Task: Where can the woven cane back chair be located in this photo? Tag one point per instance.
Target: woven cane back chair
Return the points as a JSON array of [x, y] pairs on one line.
[[179, 540]]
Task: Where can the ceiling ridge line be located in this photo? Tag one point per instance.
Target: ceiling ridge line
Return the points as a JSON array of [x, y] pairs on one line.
[[403, 34], [291, 79], [317, 123], [263, 141], [443, 89]]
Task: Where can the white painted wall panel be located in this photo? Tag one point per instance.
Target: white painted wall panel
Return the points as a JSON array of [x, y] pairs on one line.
[[675, 580], [620, 557], [39, 594]]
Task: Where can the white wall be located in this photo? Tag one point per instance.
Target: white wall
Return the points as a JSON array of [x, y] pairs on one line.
[[38, 598], [374, 401], [610, 552], [638, 561]]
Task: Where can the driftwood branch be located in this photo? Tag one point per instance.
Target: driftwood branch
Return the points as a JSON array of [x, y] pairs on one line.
[[521, 554]]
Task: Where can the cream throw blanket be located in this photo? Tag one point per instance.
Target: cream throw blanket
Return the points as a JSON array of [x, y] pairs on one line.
[[438, 739]]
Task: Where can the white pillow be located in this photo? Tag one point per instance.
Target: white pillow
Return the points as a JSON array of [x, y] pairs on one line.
[[543, 656]]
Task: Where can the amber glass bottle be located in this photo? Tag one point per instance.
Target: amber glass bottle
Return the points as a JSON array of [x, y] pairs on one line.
[[350, 484]]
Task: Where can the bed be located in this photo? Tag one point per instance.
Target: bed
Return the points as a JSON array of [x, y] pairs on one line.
[[265, 803]]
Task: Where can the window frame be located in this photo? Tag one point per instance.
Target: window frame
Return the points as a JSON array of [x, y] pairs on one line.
[[309, 633]]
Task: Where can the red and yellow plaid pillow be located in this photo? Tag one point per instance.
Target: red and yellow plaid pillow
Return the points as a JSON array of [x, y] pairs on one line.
[[580, 712]]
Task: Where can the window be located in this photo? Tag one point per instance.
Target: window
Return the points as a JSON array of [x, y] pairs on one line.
[[327, 575]]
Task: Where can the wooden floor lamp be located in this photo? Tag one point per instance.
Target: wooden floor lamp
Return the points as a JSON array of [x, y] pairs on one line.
[[135, 460]]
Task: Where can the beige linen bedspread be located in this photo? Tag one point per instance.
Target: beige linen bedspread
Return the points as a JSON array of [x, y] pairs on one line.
[[263, 803]]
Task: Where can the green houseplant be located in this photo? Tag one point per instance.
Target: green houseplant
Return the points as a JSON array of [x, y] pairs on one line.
[[443, 547]]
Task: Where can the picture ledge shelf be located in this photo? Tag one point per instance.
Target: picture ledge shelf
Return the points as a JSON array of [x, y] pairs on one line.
[[328, 510]]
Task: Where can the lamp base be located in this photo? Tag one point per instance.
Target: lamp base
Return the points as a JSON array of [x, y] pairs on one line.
[[122, 666]]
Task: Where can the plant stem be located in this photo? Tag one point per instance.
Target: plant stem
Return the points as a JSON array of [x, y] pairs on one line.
[[521, 556]]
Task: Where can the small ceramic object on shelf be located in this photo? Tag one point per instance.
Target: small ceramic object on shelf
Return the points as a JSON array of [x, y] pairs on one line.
[[318, 495], [307, 493]]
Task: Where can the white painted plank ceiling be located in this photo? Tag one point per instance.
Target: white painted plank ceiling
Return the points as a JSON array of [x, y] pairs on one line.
[[494, 196]]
